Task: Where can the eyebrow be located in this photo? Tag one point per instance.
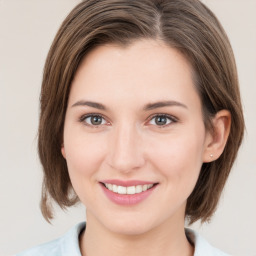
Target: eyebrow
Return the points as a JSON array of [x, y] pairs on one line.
[[161, 104], [90, 104], [147, 107]]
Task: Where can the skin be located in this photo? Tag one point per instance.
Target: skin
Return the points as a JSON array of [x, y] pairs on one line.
[[129, 144]]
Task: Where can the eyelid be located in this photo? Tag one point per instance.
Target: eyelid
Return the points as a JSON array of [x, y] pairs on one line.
[[172, 118], [83, 117]]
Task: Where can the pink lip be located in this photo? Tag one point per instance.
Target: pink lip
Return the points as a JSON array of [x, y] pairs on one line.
[[127, 200]]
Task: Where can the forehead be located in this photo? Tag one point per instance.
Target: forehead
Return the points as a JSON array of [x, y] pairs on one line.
[[154, 55], [146, 69]]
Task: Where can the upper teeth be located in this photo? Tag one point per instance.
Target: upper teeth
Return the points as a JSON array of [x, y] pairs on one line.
[[128, 190]]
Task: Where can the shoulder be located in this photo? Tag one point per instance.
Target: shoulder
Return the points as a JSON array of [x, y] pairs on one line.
[[51, 249], [202, 247], [65, 245]]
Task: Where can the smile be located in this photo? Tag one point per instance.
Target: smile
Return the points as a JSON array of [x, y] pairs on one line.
[[127, 193], [131, 190]]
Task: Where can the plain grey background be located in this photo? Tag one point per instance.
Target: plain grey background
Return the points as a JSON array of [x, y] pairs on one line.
[[27, 28]]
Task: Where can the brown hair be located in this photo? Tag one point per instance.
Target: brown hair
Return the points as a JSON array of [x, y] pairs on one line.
[[186, 25]]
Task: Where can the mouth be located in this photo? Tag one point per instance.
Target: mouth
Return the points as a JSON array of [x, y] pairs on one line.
[[128, 190], [127, 193]]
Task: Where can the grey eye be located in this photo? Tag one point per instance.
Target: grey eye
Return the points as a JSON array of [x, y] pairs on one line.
[[160, 120], [95, 120]]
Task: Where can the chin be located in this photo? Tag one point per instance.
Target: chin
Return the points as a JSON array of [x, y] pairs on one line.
[[129, 225], [131, 228]]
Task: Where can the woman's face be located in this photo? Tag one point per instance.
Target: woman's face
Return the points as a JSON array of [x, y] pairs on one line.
[[134, 136]]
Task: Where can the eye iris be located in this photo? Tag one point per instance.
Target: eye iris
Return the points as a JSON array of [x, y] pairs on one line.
[[161, 120], [96, 120]]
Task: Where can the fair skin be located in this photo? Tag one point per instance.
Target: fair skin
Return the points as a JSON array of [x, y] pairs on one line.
[[126, 137]]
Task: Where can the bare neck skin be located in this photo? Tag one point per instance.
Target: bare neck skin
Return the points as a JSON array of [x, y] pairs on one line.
[[168, 239]]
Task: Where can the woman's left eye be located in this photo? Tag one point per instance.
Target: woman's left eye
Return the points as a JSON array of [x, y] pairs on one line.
[[94, 120], [161, 120]]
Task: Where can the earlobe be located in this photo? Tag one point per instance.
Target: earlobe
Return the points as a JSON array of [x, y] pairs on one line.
[[63, 151], [217, 139]]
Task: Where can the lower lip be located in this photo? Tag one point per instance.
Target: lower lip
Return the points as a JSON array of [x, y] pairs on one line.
[[127, 199]]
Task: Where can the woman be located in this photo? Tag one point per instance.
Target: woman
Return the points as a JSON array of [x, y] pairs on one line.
[[141, 121]]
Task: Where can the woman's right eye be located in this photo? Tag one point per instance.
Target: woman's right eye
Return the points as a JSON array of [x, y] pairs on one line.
[[93, 120]]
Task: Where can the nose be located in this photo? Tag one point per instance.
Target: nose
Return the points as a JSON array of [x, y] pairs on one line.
[[126, 149]]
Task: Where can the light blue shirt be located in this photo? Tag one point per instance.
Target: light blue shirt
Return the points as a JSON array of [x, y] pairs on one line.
[[68, 245]]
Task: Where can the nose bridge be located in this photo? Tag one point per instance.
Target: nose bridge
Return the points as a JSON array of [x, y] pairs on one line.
[[125, 149]]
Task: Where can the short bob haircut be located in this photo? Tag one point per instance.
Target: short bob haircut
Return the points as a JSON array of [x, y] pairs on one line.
[[185, 25]]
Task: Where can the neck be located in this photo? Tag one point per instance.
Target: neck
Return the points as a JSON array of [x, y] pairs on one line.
[[168, 239]]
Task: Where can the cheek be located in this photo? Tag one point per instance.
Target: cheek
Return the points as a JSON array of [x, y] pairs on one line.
[[178, 158], [84, 156]]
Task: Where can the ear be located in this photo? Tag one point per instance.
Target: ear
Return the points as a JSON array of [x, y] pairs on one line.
[[216, 140], [63, 150]]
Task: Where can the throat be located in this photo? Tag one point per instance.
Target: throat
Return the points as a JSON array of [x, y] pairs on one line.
[[93, 243]]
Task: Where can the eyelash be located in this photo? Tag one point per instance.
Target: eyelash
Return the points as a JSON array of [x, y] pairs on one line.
[[171, 118], [84, 117]]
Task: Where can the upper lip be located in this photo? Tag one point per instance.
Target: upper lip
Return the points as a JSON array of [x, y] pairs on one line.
[[127, 183]]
